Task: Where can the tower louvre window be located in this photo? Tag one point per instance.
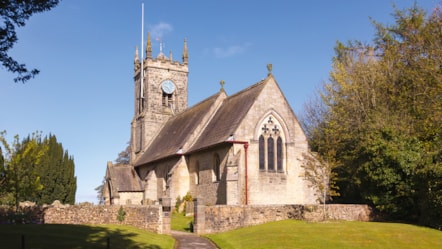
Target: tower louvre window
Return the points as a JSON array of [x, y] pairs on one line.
[[167, 99]]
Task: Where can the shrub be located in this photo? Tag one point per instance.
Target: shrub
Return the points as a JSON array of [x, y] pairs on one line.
[[121, 214]]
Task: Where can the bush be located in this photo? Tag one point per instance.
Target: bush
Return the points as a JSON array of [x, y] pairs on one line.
[[121, 214]]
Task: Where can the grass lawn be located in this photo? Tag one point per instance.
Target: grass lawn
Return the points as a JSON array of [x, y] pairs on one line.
[[301, 234], [180, 222], [281, 234], [50, 236]]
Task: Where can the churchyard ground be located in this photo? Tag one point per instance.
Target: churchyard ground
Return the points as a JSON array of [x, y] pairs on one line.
[[281, 234]]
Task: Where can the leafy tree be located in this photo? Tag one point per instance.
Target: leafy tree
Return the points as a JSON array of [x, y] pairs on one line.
[[123, 156], [319, 166], [20, 177], [2, 174], [14, 14], [321, 176], [380, 118], [99, 190]]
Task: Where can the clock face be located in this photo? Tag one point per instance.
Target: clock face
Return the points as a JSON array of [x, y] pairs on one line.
[[168, 86]]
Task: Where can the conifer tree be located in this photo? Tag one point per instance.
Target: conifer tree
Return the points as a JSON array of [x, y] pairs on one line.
[[56, 174]]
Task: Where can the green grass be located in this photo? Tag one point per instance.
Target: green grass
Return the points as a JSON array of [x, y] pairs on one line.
[[282, 234], [300, 234], [50, 236], [179, 222]]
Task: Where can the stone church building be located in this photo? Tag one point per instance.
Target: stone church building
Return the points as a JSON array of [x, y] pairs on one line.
[[240, 149]]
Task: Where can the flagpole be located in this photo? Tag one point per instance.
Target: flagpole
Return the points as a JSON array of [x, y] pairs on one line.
[[142, 54]]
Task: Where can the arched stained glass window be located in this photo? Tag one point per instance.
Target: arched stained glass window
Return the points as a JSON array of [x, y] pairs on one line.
[[279, 154], [261, 153], [270, 154]]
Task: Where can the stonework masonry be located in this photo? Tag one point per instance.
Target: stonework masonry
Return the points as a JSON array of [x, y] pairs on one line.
[[207, 219], [143, 217], [150, 218], [221, 218]]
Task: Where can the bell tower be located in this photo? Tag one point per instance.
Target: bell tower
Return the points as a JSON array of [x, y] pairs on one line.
[[160, 93]]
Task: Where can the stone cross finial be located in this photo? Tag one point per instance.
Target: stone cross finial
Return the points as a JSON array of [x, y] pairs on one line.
[[269, 68]]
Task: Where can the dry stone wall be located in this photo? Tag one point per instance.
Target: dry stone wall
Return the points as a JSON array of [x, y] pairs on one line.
[[144, 217], [224, 218], [214, 219], [207, 219], [348, 212]]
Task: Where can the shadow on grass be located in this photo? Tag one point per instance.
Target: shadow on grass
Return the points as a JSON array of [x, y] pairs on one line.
[[50, 236]]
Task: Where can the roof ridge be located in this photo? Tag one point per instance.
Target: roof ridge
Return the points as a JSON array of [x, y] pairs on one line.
[[263, 81], [195, 105]]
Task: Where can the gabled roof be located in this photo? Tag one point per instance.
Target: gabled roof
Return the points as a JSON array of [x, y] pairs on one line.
[[177, 131], [228, 117], [124, 178], [185, 129]]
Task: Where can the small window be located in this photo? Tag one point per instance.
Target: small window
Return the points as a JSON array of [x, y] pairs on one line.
[[197, 172], [216, 168], [139, 137]]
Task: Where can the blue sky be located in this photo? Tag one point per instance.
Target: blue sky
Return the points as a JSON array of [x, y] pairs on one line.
[[85, 51]]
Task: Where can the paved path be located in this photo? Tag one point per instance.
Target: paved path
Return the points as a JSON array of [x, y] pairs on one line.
[[191, 241]]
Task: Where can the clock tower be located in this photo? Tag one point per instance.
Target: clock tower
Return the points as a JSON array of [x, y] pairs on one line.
[[160, 93]]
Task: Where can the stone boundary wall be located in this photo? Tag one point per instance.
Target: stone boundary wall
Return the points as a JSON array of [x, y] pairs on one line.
[[348, 212], [214, 219], [143, 217], [149, 218], [207, 219]]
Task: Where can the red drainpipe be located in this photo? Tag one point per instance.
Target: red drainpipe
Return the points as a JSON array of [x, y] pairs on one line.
[[246, 146]]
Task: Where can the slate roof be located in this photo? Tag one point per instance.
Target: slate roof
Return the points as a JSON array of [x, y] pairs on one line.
[[124, 178], [228, 117], [177, 131]]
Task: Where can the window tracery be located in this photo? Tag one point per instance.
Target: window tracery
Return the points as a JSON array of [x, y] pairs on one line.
[[271, 147]]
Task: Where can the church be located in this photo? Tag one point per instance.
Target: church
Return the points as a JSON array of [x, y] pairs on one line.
[[240, 149]]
